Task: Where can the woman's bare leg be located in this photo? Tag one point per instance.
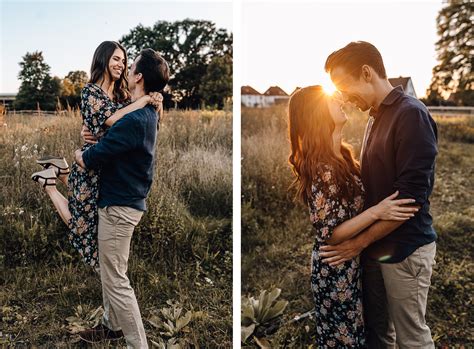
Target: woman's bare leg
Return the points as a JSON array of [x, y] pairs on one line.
[[63, 178], [59, 202]]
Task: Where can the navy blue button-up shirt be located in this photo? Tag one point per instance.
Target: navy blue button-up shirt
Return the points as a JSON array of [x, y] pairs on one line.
[[400, 155], [126, 157]]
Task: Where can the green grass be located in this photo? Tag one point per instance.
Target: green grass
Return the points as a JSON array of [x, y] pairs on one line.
[[277, 235], [181, 249]]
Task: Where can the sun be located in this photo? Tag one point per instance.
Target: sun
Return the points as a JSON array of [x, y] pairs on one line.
[[329, 88]]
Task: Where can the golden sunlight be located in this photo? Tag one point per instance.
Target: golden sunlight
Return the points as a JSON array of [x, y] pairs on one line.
[[328, 87], [329, 90]]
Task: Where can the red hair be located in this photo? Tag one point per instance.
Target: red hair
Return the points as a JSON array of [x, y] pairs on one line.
[[310, 131]]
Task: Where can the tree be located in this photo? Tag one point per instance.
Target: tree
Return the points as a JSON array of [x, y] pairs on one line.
[[71, 87], [38, 88], [452, 77], [50, 93], [216, 87], [189, 46]]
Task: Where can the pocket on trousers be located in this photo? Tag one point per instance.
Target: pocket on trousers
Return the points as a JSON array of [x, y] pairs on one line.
[[426, 260], [124, 216], [112, 215], [400, 283], [401, 288]]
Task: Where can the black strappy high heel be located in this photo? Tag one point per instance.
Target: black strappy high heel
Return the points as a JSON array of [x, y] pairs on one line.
[[49, 176], [54, 161]]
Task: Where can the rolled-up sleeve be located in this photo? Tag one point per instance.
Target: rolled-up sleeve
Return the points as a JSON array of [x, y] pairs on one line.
[[416, 150]]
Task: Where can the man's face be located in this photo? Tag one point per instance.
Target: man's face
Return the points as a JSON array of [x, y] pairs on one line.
[[357, 91], [133, 77]]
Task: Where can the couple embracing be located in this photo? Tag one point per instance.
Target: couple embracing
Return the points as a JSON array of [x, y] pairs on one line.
[[374, 242], [111, 177]]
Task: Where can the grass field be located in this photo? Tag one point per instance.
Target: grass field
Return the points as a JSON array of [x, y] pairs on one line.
[[181, 251], [277, 235]]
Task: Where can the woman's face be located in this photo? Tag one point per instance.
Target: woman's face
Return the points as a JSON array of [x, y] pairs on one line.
[[335, 104], [117, 64]]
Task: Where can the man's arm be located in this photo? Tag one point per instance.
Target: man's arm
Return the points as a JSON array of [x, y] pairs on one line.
[[415, 156], [337, 254], [119, 139]]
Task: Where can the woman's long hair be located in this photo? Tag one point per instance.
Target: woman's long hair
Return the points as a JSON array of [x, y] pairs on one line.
[[100, 67], [310, 131]]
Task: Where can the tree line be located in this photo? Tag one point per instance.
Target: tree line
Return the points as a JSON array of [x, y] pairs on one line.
[[199, 55], [453, 80], [200, 58]]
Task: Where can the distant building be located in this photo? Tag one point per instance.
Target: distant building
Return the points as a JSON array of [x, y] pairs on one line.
[[295, 90], [251, 97], [276, 95], [406, 83], [6, 100]]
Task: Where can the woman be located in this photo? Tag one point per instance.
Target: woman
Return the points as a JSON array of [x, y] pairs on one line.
[[328, 181], [104, 100]]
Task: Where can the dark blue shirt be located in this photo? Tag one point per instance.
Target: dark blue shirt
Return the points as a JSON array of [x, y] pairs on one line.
[[400, 155], [125, 157]]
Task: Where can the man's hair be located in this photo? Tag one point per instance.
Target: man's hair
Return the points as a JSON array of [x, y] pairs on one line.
[[353, 56], [154, 69]]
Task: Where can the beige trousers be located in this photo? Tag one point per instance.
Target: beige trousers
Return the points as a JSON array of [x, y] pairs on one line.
[[395, 297], [116, 225]]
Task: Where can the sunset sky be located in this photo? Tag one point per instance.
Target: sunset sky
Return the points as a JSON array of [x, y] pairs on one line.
[[287, 44], [68, 31]]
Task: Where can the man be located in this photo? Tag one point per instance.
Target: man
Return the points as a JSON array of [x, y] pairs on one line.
[[126, 157], [398, 153]]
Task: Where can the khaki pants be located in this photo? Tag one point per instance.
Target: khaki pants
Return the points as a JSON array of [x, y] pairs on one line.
[[395, 297], [116, 225]]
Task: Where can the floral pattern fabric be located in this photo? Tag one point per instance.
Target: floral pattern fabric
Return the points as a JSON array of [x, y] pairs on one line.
[[83, 185], [337, 291]]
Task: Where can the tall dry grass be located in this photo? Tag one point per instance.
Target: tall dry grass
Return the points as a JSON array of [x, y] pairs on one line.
[[277, 236], [181, 250]]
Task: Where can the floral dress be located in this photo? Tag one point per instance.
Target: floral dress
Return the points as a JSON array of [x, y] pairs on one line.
[[337, 291], [83, 185]]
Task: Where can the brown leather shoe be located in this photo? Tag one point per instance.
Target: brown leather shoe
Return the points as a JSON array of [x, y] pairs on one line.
[[100, 333]]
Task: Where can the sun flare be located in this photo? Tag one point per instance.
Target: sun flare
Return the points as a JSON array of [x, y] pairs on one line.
[[328, 87]]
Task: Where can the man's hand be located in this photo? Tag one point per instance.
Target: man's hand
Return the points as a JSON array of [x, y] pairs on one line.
[[78, 158], [87, 136], [337, 254]]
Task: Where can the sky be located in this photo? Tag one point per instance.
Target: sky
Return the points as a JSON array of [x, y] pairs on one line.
[[286, 44], [68, 32]]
